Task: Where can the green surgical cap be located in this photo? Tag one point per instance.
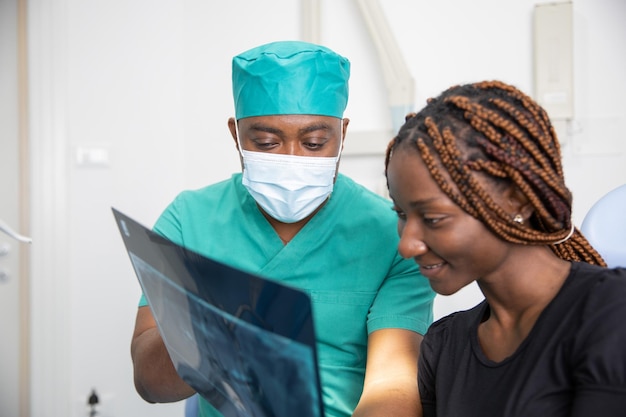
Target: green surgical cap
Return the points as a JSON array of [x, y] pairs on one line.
[[290, 77]]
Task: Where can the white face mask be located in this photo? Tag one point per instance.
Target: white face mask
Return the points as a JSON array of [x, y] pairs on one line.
[[288, 187]]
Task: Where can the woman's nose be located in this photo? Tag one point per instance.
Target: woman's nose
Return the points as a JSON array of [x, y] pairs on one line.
[[411, 242]]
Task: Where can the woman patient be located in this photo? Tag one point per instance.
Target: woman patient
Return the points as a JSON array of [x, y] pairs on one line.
[[477, 182]]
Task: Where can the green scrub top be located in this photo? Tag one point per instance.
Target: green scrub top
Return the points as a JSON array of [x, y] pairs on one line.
[[345, 258]]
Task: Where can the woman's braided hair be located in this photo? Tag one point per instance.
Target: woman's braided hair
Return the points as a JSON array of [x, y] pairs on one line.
[[491, 128]]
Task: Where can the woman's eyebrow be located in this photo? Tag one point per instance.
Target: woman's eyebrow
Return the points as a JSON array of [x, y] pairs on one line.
[[423, 203]]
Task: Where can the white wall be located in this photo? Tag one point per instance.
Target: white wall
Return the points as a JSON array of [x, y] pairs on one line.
[[147, 82]]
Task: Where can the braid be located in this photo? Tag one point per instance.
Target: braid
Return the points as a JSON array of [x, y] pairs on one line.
[[493, 129]]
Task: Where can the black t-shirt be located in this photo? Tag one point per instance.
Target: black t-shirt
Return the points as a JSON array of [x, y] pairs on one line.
[[573, 362]]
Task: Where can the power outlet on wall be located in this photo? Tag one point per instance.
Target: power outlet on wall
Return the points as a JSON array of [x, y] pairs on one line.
[[94, 403]]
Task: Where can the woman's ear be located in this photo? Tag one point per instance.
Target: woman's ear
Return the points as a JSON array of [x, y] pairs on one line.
[[517, 203]]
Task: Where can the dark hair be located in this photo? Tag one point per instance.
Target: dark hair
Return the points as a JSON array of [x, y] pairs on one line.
[[491, 128]]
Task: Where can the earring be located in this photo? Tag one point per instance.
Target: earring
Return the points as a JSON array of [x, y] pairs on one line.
[[518, 219]]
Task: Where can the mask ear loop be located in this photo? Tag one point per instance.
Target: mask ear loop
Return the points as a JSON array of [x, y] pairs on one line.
[[239, 148], [341, 140]]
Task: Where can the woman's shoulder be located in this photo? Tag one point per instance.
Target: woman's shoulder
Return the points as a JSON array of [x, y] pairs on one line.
[[596, 281], [599, 286], [450, 336], [597, 347], [459, 321], [589, 269]]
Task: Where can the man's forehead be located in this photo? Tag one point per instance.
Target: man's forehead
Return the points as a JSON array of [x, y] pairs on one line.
[[299, 122]]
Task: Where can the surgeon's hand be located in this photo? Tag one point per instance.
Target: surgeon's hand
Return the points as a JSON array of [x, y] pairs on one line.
[[156, 379]]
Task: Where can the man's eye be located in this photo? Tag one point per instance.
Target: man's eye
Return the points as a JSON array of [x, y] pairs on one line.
[[313, 145], [264, 145], [401, 215]]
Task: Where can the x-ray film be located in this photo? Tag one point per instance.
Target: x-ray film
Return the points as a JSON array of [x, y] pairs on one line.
[[244, 343]]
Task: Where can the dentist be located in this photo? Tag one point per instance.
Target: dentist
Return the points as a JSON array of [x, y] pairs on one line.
[[290, 216]]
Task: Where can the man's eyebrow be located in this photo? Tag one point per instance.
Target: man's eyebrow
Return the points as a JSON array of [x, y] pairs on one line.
[[259, 127], [314, 127]]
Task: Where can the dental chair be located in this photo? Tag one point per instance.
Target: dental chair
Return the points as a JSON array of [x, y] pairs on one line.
[[604, 226]]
